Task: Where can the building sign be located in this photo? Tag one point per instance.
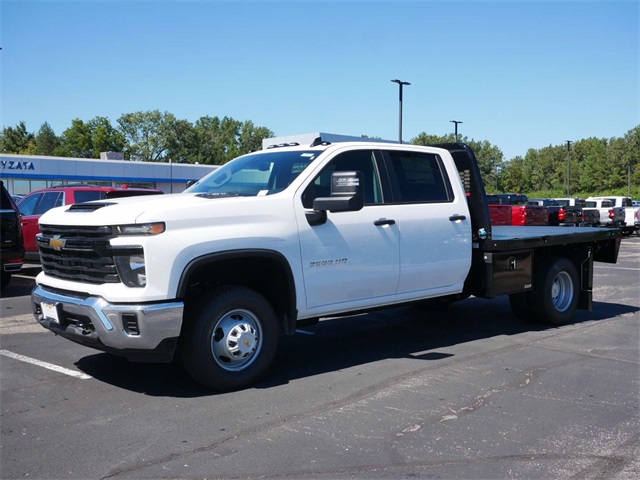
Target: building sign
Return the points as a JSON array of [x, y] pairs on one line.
[[16, 165]]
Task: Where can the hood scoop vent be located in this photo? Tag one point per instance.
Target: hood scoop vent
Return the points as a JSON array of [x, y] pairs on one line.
[[88, 207]]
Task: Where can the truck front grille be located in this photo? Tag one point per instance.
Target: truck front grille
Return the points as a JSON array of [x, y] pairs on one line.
[[79, 254]]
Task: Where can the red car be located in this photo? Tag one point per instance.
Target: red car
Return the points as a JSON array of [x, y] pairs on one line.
[[38, 202]]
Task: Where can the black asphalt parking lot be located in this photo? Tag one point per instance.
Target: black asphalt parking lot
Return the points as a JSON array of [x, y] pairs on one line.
[[405, 393]]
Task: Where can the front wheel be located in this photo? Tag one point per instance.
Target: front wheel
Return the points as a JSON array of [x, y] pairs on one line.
[[231, 339], [554, 299]]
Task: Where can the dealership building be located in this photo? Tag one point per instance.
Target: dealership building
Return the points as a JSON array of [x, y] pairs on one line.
[[23, 174]]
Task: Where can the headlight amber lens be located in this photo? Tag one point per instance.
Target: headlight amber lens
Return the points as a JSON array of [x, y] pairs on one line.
[[141, 229]]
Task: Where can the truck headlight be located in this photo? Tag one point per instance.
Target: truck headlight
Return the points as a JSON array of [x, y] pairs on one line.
[[131, 269], [140, 229]]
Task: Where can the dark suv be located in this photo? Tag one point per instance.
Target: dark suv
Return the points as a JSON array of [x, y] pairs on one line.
[[11, 244], [38, 202]]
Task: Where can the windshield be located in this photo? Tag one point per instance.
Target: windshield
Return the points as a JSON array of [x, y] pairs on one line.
[[262, 173]]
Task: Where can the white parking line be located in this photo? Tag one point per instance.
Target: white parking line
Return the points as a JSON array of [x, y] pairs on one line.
[[50, 366]]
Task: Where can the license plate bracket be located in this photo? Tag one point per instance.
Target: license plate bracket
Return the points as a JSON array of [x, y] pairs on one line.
[[51, 311]]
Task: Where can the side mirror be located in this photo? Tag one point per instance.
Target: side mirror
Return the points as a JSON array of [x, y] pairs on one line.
[[346, 193], [191, 182]]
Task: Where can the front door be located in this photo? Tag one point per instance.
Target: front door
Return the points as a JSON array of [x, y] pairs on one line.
[[353, 256]]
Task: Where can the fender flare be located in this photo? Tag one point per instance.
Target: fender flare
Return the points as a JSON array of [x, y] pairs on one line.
[[290, 313]]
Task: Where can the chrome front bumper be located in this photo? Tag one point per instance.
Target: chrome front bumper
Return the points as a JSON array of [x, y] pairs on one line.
[[143, 332]]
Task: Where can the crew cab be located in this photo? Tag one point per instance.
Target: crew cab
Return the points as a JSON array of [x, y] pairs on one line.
[[522, 213], [631, 212], [610, 215], [288, 235], [562, 215], [33, 205]]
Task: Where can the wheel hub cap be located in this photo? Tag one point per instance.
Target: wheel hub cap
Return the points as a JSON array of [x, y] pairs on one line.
[[236, 340]]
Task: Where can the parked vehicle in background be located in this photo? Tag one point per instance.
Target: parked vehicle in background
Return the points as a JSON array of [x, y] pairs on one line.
[[16, 198], [500, 214], [559, 215], [630, 212], [635, 203], [610, 216], [11, 243], [521, 213], [590, 215], [33, 205]]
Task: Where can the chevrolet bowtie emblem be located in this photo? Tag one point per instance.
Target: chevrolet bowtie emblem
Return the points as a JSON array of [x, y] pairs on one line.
[[57, 243]]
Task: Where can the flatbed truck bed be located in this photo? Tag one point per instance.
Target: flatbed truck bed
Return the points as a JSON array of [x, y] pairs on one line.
[[509, 238]]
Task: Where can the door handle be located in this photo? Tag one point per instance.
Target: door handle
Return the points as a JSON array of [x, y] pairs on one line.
[[457, 217], [384, 221]]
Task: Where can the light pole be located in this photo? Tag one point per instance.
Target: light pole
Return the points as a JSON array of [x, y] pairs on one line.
[[569, 142], [400, 84], [456, 122]]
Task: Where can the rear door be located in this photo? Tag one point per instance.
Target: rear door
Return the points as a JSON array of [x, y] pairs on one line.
[[435, 228]]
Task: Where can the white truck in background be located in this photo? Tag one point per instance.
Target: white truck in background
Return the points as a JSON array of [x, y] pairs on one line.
[[631, 213], [610, 216]]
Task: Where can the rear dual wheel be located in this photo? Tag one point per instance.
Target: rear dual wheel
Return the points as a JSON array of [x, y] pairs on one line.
[[554, 298]]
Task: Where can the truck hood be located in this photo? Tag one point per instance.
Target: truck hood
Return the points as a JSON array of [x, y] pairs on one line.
[[153, 208]]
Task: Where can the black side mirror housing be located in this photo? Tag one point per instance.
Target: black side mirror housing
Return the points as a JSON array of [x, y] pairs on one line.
[[346, 193]]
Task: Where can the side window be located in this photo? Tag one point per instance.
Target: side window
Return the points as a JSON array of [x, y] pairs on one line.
[[358, 160], [49, 200], [28, 205], [420, 177]]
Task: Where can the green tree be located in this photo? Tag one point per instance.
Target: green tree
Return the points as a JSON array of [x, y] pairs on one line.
[[250, 137], [210, 149], [592, 174], [513, 177], [88, 139], [180, 141], [105, 137], [77, 140], [221, 140], [17, 140], [145, 134], [46, 140]]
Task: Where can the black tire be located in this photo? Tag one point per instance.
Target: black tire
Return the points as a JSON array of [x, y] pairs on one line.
[[554, 298], [521, 305], [231, 339], [5, 278]]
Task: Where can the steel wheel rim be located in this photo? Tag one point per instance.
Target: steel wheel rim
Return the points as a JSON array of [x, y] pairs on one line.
[[236, 340], [562, 291]]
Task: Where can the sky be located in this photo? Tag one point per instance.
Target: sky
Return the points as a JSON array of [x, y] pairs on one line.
[[519, 74]]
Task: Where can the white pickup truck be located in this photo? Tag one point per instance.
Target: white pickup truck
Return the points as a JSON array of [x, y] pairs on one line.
[[287, 235], [610, 215], [631, 213]]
